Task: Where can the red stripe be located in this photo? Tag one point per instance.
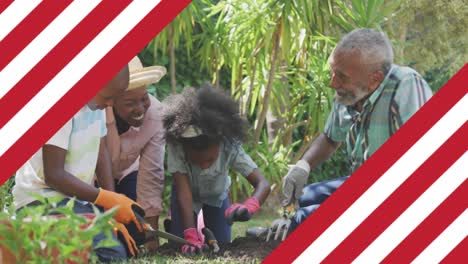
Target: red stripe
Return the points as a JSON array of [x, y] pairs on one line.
[[88, 86], [29, 28], [4, 4], [431, 228], [372, 169], [458, 254], [59, 57], [401, 199]]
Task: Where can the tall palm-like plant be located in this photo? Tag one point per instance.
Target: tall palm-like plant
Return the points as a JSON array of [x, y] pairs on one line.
[[302, 23], [259, 35], [353, 14], [276, 52], [211, 44], [180, 30]]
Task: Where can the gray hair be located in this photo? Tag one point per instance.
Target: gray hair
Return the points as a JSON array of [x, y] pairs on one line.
[[374, 47]]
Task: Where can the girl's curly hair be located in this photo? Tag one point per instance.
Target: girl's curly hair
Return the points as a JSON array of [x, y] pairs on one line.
[[207, 108]]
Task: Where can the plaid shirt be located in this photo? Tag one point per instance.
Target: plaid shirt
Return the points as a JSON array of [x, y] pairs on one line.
[[398, 97]]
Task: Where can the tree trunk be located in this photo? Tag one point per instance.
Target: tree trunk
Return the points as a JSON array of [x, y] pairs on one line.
[[217, 78], [215, 81], [238, 87], [401, 51], [304, 147], [275, 115], [271, 77], [251, 86], [172, 59]]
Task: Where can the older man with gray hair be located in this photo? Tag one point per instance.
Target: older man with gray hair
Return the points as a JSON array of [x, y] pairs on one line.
[[373, 99]]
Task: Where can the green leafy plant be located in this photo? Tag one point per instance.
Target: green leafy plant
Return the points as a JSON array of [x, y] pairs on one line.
[[337, 166], [34, 236], [273, 57], [272, 161], [363, 13], [6, 199]]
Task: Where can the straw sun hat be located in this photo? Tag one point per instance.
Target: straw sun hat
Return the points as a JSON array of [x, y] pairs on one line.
[[143, 76], [139, 76]]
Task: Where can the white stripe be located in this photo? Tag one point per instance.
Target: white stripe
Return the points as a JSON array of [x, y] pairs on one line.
[[416, 213], [386, 184], [43, 43], [445, 242], [14, 14], [74, 71]]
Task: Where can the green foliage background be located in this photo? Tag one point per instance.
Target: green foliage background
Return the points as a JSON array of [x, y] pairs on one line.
[[271, 56], [232, 45]]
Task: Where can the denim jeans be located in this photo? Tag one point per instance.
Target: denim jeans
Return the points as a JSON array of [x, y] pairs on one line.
[[314, 195], [213, 219], [128, 185]]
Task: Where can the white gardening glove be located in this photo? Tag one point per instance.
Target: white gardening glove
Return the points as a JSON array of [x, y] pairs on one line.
[[294, 182]]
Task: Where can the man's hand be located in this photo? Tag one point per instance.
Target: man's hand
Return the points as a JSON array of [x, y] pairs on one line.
[[125, 214], [294, 182], [121, 231]]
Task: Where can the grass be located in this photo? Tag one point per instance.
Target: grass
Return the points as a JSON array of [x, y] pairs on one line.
[[263, 218], [179, 259], [238, 230]]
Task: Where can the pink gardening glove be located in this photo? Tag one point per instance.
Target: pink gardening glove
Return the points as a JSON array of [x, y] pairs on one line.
[[242, 212], [191, 235]]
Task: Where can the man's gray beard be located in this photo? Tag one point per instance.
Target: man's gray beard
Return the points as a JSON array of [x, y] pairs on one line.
[[351, 99]]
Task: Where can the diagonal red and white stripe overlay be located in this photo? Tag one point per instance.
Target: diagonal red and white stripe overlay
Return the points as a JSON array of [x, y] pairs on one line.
[[408, 202], [56, 55]]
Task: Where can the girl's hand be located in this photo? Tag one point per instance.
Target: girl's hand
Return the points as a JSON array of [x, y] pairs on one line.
[[242, 212], [191, 235]]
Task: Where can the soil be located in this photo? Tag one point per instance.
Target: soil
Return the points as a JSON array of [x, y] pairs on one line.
[[241, 248]]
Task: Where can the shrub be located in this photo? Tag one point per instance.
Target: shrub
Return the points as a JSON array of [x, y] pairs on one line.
[[33, 236]]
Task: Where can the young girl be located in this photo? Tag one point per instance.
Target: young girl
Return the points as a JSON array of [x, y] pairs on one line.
[[204, 132]]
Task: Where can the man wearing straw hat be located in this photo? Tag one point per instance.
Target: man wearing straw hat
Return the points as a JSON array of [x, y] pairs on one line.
[[136, 143]]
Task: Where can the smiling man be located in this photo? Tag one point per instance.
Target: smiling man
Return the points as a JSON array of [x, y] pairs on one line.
[[136, 143], [373, 99]]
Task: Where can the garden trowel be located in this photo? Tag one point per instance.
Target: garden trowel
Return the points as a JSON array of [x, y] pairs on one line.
[[150, 232]]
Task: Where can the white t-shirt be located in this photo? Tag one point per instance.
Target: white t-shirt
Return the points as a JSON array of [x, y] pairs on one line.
[[80, 137]]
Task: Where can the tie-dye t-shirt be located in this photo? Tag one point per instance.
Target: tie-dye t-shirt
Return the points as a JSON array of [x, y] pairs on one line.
[[80, 137]]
